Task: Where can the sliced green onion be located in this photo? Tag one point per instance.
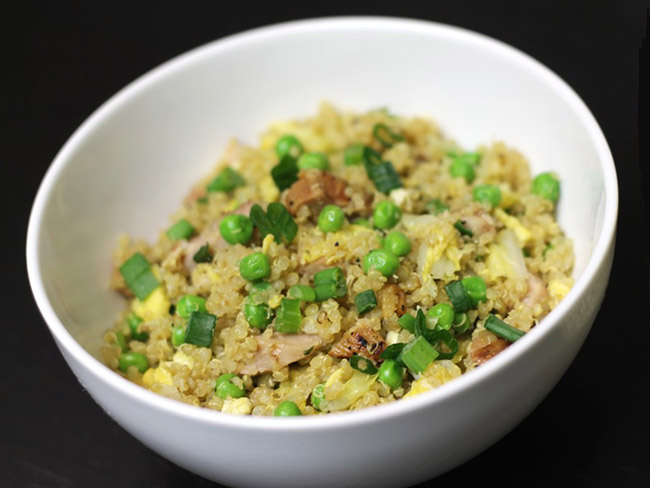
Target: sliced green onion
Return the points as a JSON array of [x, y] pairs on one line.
[[365, 301], [420, 324], [443, 342], [181, 230], [276, 221], [363, 364], [302, 292], [476, 288], [382, 173], [202, 200], [460, 227], [407, 321], [317, 396], [226, 181], [329, 283], [393, 351], [200, 329], [203, 255], [353, 155], [138, 276], [385, 136], [436, 206], [458, 296], [418, 354], [134, 321], [462, 323], [502, 329], [546, 249], [285, 173], [288, 318]]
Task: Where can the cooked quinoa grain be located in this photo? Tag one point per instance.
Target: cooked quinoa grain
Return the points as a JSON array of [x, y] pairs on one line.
[[426, 244]]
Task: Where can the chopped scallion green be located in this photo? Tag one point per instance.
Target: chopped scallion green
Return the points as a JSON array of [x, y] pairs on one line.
[[382, 173], [363, 364], [200, 329], [365, 301], [329, 283], [407, 321], [460, 227], [503, 330], [288, 317], [443, 342], [139, 276], [181, 230], [418, 354], [226, 181], [302, 292], [385, 136], [458, 296]]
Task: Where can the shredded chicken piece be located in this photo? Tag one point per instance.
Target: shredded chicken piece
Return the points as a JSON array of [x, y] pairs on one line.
[[316, 189], [536, 291], [362, 340], [393, 300], [280, 350]]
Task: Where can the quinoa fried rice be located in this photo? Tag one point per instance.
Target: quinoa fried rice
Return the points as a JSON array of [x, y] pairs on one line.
[[516, 247]]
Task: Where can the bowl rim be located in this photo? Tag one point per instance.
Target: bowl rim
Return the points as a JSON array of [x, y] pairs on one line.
[[356, 418]]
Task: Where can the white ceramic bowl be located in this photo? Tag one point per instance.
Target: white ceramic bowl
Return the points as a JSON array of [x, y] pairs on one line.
[[127, 167]]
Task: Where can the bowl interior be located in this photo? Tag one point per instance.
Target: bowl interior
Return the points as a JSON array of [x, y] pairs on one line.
[[128, 167]]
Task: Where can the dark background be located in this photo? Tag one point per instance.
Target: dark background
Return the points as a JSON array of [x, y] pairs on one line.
[[61, 61]]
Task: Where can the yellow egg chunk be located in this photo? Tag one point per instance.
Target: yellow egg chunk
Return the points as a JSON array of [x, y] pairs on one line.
[[156, 305]]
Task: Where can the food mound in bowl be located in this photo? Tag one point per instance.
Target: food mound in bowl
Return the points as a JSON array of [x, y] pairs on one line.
[[349, 260]]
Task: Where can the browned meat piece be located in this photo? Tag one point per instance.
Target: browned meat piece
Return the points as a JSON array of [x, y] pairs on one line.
[[362, 340], [393, 300], [485, 347], [536, 291], [316, 189], [280, 350]]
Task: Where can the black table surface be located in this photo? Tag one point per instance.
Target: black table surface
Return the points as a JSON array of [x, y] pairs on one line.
[[63, 59]]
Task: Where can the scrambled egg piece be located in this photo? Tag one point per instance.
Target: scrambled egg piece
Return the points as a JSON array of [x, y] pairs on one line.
[[512, 223], [156, 305], [436, 374], [353, 389], [238, 406], [157, 375]]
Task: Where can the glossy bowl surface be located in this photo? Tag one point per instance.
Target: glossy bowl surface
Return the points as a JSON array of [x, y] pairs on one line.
[[127, 167]]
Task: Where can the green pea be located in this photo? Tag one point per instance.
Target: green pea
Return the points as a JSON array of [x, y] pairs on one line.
[[382, 260], [546, 186], [287, 409], [258, 316], [255, 266], [134, 321], [331, 218], [236, 229], [178, 336], [128, 359], [386, 215], [475, 288], [188, 304], [397, 243], [362, 222], [314, 160], [229, 385], [288, 145], [440, 316], [317, 396], [461, 168], [487, 194], [391, 374]]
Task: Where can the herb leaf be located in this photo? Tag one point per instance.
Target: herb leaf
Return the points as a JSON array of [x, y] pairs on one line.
[[203, 255], [276, 221], [285, 173]]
